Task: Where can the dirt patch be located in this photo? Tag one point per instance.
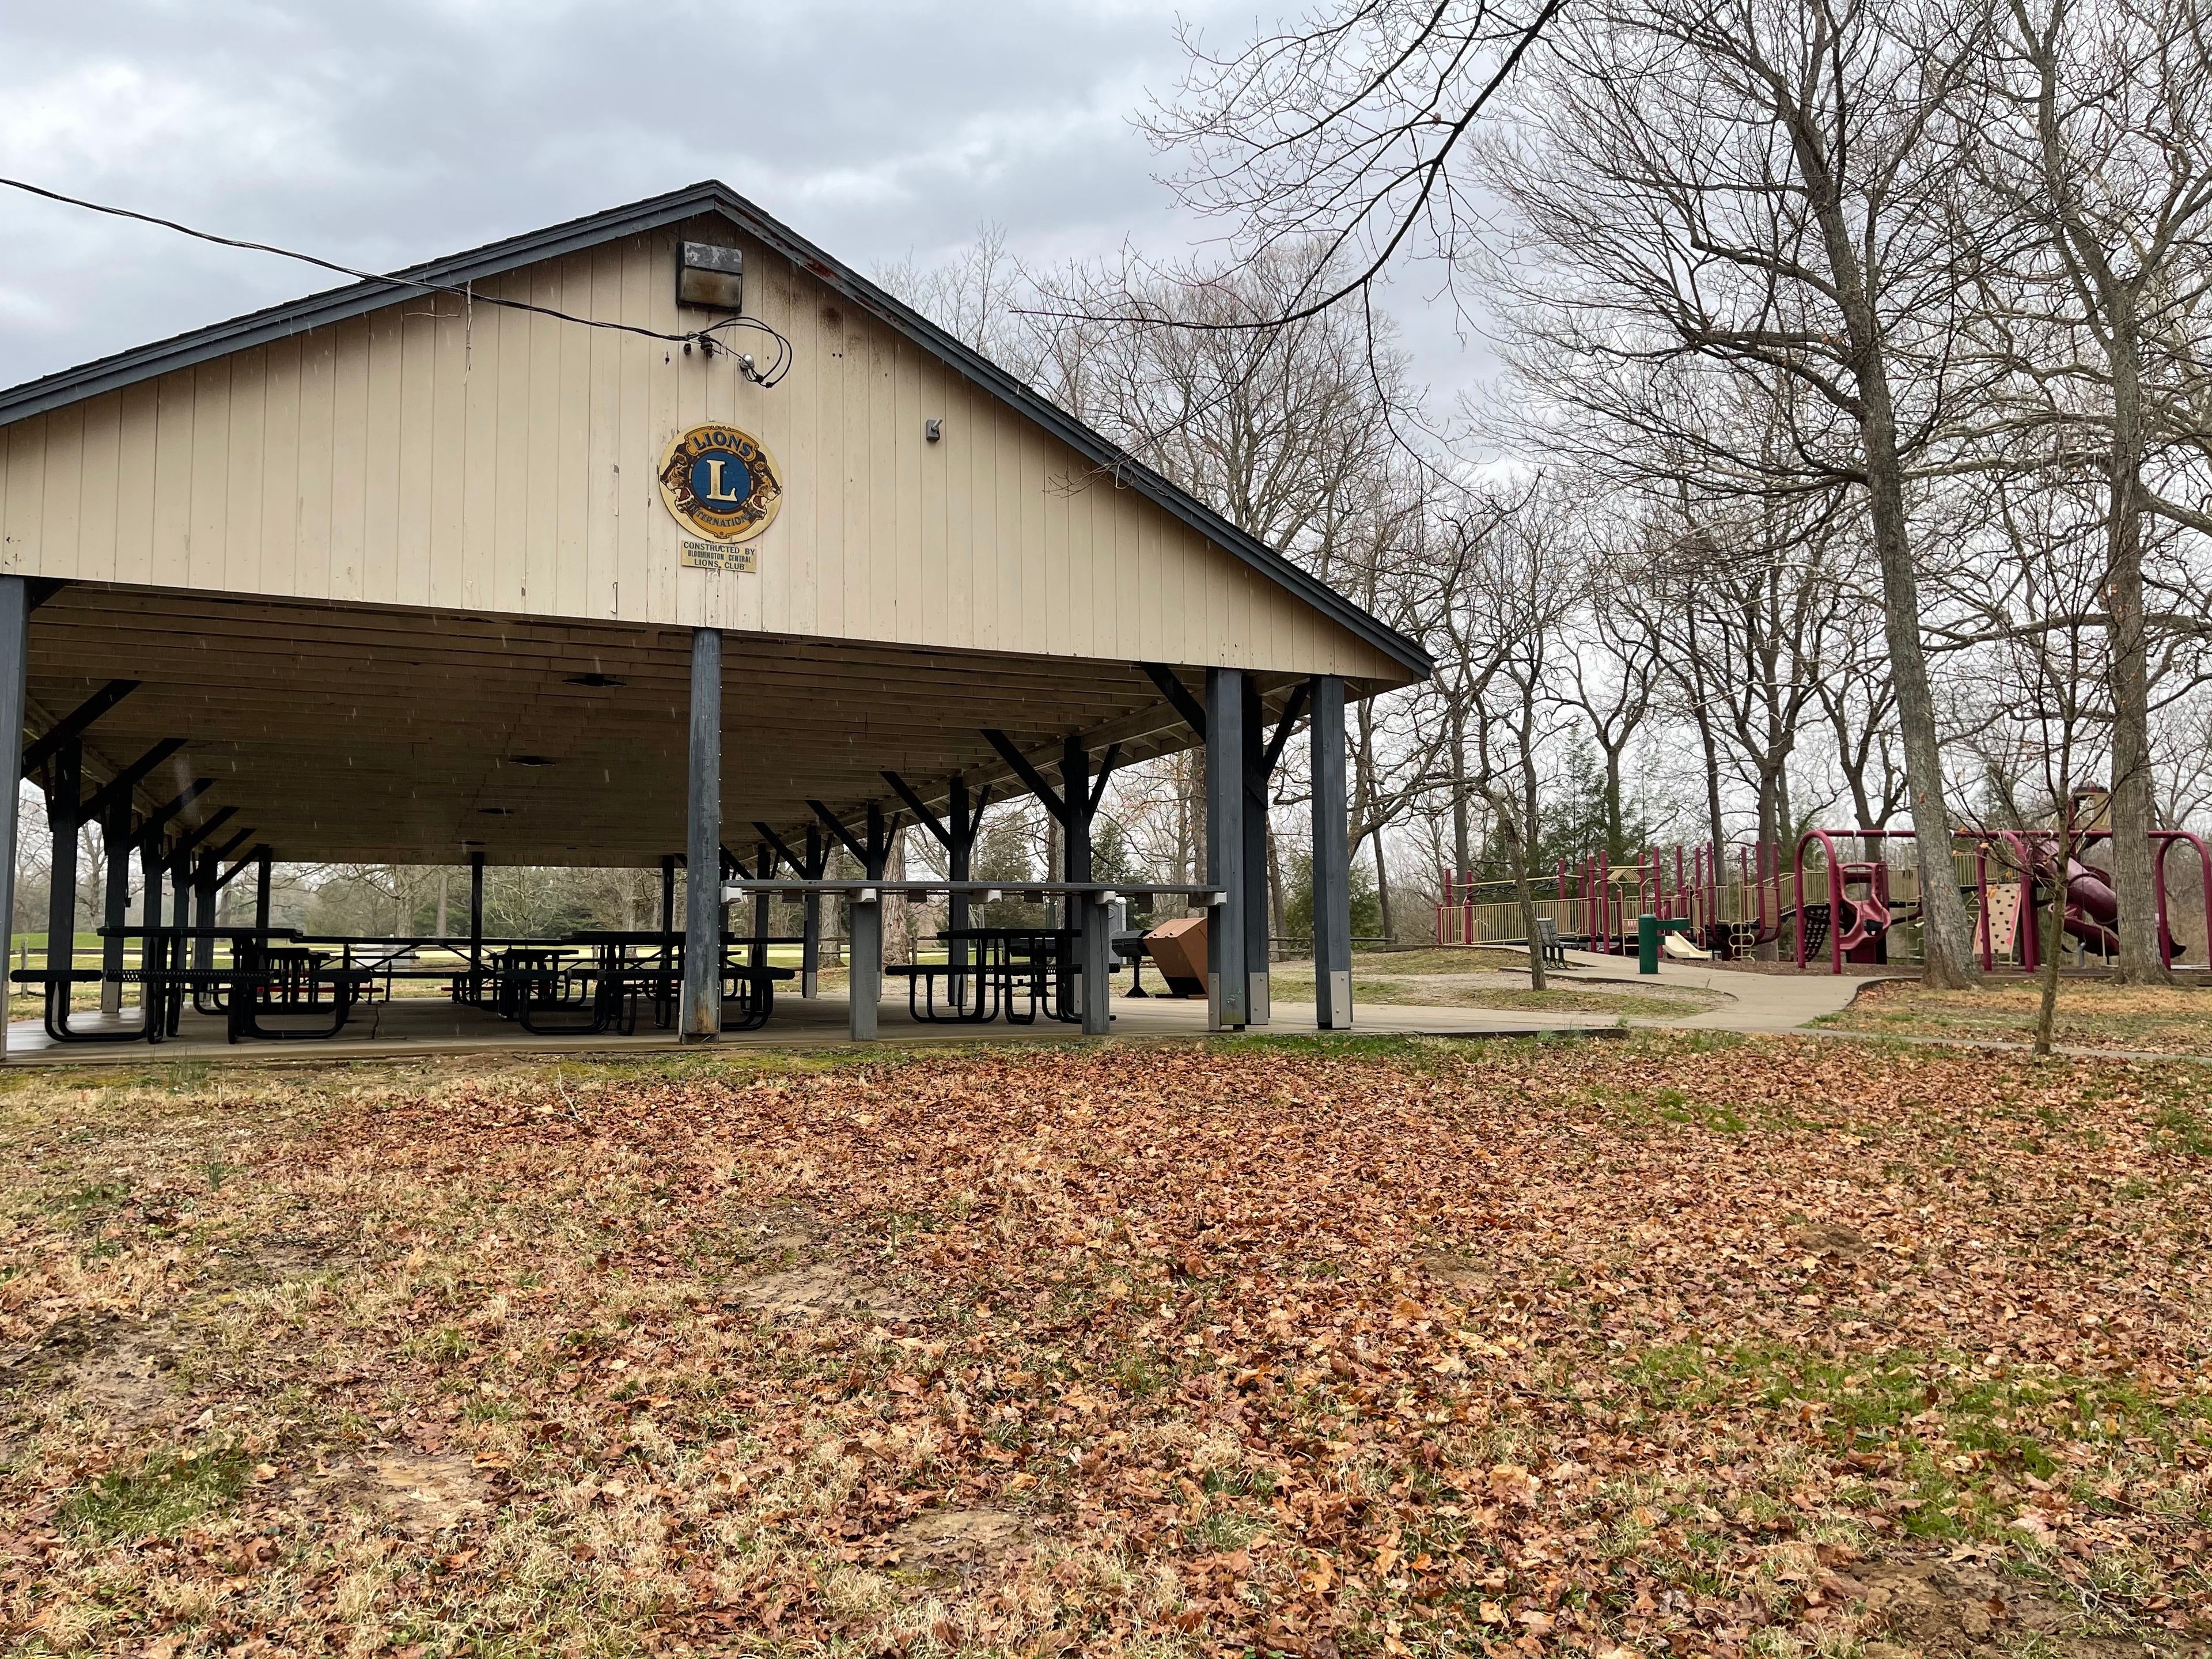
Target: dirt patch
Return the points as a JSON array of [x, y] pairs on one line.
[[65, 1339], [425, 1493], [818, 1289], [1946, 1610], [129, 1384], [294, 1256], [1459, 1270], [775, 1236], [947, 1540], [117, 1369], [1832, 1239]]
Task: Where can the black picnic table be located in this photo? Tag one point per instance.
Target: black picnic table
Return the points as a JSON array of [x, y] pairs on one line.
[[261, 978], [634, 965], [1013, 972]]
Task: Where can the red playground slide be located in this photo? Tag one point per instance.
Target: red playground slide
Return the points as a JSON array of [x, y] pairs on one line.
[[2092, 908]]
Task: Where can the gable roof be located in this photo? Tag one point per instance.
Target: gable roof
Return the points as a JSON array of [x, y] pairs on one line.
[[711, 197]]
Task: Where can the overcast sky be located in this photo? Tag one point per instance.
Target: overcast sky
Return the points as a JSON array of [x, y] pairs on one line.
[[379, 134]]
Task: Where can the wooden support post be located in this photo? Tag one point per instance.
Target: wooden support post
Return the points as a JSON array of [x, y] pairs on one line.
[[1076, 865], [115, 913], [1331, 858], [702, 1015], [864, 970], [63, 794], [150, 907], [963, 821], [810, 945], [14, 658], [1226, 1009], [1096, 944], [203, 875], [264, 859], [956, 833], [764, 862], [475, 912], [1257, 769]]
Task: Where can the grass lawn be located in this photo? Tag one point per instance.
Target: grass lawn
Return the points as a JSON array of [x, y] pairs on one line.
[[1674, 1345], [2168, 1020], [1461, 959]]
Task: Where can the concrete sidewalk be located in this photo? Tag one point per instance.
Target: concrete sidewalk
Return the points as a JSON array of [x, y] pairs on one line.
[[1756, 1002]]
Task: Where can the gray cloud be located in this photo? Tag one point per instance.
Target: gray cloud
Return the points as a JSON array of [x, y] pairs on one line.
[[379, 134]]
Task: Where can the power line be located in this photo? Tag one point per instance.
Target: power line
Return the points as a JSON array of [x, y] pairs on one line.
[[706, 338]]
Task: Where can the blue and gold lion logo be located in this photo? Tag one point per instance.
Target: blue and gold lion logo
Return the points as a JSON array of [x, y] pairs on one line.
[[720, 482]]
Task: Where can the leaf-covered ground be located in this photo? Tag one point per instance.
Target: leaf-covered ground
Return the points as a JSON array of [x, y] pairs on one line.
[[1664, 1345], [2175, 1019]]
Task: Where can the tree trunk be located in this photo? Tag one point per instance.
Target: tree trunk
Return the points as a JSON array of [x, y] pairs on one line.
[[1519, 849], [1382, 888], [1276, 901], [1463, 850], [897, 912], [1712, 783], [2135, 805], [1613, 832], [2054, 929], [1947, 944]]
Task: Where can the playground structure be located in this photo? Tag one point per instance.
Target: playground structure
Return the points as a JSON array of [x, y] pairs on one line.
[[1714, 904], [1740, 902]]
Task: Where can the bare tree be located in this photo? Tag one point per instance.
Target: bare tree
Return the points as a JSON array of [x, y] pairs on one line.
[[1613, 673], [1859, 703], [1753, 191], [2098, 148], [1511, 584]]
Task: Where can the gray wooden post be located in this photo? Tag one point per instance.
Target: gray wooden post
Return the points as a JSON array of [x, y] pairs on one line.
[[203, 875], [149, 909], [63, 799], [476, 915], [1076, 865], [1257, 999], [1332, 858], [810, 945], [1225, 984], [1096, 943], [765, 863], [864, 970], [959, 859], [263, 857], [702, 1020], [15, 659], [180, 878], [115, 834]]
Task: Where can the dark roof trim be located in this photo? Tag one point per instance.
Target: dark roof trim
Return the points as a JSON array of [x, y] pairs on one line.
[[336, 305]]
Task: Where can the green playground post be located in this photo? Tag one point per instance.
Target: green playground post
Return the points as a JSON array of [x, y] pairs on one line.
[[1649, 928]]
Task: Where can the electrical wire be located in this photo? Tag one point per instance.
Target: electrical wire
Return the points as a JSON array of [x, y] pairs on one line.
[[707, 338]]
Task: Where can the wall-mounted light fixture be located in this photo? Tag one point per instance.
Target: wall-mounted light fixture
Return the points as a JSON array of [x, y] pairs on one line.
[[711, 277]]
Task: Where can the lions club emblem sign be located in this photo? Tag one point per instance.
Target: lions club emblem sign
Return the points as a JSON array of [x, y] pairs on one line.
[[720, 485]]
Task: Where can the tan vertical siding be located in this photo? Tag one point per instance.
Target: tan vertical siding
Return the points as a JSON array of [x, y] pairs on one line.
[[435, 453]]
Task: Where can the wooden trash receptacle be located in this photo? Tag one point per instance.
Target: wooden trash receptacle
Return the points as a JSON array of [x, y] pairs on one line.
[[1179, 949]]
